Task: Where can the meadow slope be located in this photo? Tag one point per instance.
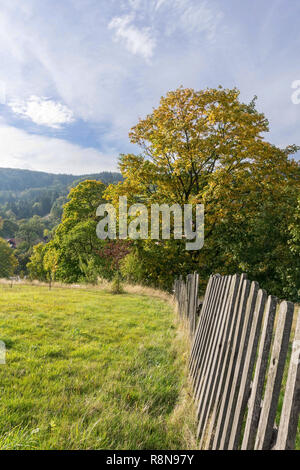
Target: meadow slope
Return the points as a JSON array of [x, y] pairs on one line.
[[89, 370]]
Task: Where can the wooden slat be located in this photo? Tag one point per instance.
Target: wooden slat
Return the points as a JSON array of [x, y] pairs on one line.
[[214, 388], [190, 298], [212, 428], [195, 304], [205, 340], [202, 339], [231, 367], [275, 373], [291, 403], [246, 322], [204, 404], [247, 370], [185, 308], [254, 404], [205, 369], [201, 320], [192, 303], [189, 283]]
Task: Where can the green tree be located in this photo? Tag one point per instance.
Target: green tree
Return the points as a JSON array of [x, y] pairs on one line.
[[31, 230], [8, 229], [89, 269], [8, 261], [50, 262], [75, 240], [291, 275], [36, 266]]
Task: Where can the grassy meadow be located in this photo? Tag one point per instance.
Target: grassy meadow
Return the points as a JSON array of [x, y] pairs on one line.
[[86, 369]]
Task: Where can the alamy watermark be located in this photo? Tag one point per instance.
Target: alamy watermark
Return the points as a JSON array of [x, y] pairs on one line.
[[140, 222], [295, 97]]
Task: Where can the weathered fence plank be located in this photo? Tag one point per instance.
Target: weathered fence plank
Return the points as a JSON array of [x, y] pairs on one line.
[[214, 426], [247, 370], [214, 389], [291, 404], [231, 343], [201, 321], [204, 403], [193, 297], [231, 367], [205, 330], [254, 404], [208, 349], [246, 322], [275, 373]]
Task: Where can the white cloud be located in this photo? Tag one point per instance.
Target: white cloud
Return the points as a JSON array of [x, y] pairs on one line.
[[200, 18], [43, 111], [137, 41], [19, 149], [190, 16]]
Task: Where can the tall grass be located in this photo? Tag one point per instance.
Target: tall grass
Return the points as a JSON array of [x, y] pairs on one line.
[[89, 370]]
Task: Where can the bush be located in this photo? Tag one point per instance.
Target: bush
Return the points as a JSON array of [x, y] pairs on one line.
[[116, 286], [132, 269]]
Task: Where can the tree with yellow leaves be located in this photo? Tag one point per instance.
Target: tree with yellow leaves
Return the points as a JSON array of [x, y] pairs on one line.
[[207, 147]]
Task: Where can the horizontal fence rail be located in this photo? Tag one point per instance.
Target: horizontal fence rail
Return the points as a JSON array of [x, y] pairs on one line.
[[243, 344]]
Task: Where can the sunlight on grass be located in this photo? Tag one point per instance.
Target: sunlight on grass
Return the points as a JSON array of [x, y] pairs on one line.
[[89, 370]]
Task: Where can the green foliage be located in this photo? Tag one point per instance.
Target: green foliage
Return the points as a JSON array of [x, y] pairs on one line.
[[57, 207], [8, 229], [35, 266], [132, 268], [8, 261], [89, 269], [31, 230], [75, 241], [51, 262], [291, 275], [116, 285]]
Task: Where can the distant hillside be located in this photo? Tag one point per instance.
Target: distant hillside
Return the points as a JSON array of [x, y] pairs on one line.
[[24, 193], [19, 180]]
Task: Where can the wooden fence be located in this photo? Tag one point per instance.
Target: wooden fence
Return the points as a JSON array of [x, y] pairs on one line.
[[241, 351]]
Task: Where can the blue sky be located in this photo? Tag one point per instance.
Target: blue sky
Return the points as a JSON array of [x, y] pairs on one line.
[[75, 75]]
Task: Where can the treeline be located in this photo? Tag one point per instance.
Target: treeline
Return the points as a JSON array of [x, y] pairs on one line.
[[25, 193], [16, 180], [31, 207], [198, 147]]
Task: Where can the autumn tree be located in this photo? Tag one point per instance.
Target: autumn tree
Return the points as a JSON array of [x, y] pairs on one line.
[[208, 147]]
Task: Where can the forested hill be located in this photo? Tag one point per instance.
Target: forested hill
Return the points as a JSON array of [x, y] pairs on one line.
[[19, 180], [25, 193]]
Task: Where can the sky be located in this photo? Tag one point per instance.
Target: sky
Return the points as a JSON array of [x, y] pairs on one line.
[[76, 75]]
